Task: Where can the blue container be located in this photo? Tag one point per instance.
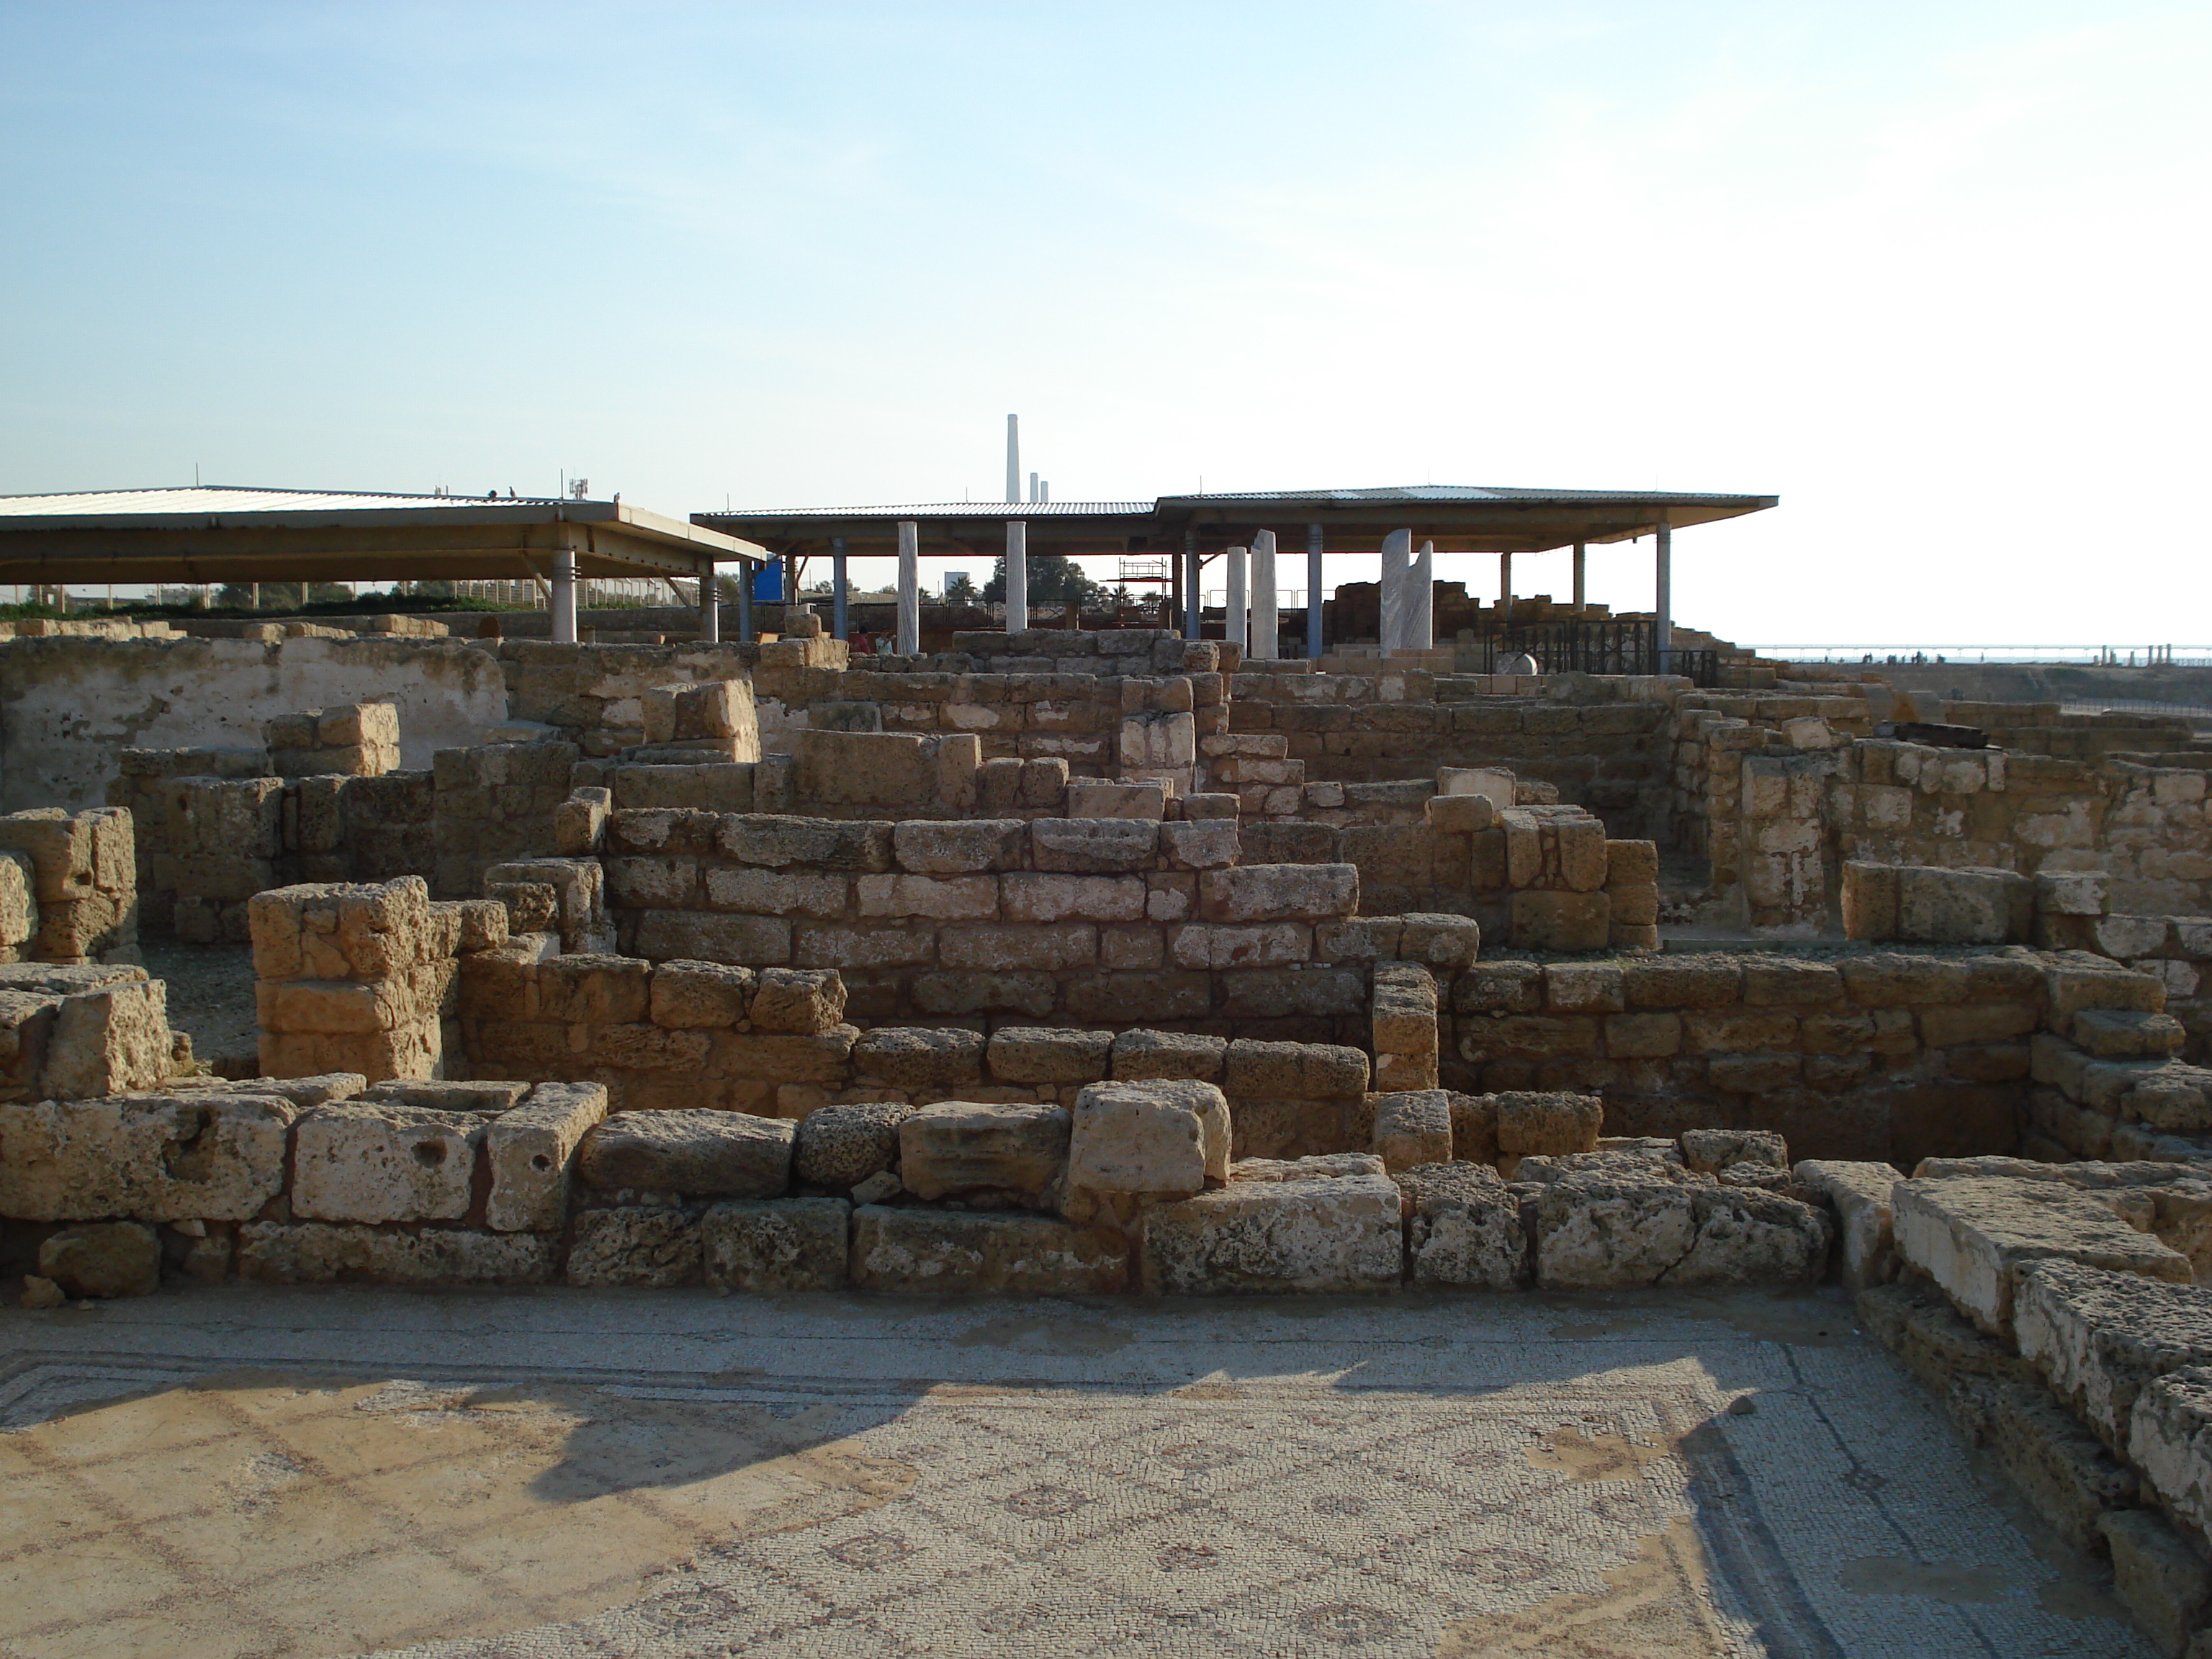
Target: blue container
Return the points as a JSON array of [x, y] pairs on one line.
[[768, 583]]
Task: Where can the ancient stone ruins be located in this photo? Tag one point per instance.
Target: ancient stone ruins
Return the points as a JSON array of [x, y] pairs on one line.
[[1110, 962]]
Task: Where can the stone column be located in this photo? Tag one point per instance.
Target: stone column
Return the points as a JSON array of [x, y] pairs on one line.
[[838, 623], [1190, 594], [1266, 629], [1581, 593], [710, 610], [564, 597], [910, 588], [1233, 601], [1421, 600], [1397, 553], [1314, 542], [1663, 607], [1505, 587], [1018, 576]]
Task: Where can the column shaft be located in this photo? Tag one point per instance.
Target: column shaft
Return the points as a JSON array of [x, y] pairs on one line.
[[564, 597], [710, 610], [1233, 602], [837, 589], [1663, 607], [1581, 558], [1018, 576], [1190, 594], [1314, 542], [1397, 554], [1421, 600], [1267, 627], [910, 588]]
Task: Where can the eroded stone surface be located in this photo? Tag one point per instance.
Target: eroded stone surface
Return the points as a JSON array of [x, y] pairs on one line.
[[776, 1246], [940, 1252], [1290, 1234], [708, 1153]]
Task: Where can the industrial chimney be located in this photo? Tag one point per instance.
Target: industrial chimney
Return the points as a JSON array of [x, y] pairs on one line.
[[1013, 458]]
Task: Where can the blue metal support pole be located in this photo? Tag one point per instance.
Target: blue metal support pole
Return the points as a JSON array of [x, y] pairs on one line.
[[1313, 590], [1190, 606], [837, 587]]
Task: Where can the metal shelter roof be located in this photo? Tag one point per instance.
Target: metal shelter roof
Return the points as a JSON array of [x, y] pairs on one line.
[[228, 533], [1458, 518]]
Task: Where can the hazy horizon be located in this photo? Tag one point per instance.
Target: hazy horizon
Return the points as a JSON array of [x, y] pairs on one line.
[[1931, 275]]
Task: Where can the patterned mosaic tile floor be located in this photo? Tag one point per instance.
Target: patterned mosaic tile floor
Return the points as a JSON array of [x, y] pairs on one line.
[[231, 1472]]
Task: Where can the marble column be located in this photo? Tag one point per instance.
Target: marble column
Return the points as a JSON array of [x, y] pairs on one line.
[[1017, 575], [1421, 600], [1233, 602], [910, 588], [1397, 554], [1267, 628]]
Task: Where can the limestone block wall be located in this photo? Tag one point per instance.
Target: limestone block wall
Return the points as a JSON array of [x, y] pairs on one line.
[[70, 708], [2073, 912], [359, 740], [83, 891], [1090, 920], [493, 803], [362, 978], [596, 697], [1607, 755], [1887, 1056], [775, 1043]]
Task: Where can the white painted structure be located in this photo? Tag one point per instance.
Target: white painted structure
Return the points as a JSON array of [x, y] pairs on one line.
[[1421, 600], [1397, 555]]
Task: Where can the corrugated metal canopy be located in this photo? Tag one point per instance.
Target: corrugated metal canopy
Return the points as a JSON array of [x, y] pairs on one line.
[[226, 532], [1458, 518]]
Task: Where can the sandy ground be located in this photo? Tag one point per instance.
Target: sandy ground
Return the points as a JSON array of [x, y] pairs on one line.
[[210, 995], [234, 1470]]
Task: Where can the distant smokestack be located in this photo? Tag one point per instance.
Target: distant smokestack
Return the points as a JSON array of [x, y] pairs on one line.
[[1033, 495], [1013, 458]]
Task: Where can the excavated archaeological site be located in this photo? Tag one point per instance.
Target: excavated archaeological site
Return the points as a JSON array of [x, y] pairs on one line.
[[1084, 1142]]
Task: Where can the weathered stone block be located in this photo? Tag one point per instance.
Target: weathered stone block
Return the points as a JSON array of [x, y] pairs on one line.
[[311, 1252], [1093, 846], [1255, 1237], [957, 1146], [1163, 1137], [1280, 892], [368, 1161], [1464, 1227], [1550, 1124], [1036, 1054], [702, 995], [1293, 1071], [2099, 1337], [916, 1059], [531, 1151], [2158, 1578], [842, 1145], [949, 1253], [635, 1247], [710, 1154], [1412, 1127], [1139, 1055], [797, 1001], [1860, 1193], [977, 846], [1973, 1236], [777, 1247], [1539, 918], [103, 1260]]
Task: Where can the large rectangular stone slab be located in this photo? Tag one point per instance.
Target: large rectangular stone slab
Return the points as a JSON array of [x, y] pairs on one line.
[[1165, 1138], [1258, 1238], [1973, 1235], [1598, 1233], [157, 1157], [711, 1154], [314, 1253], [777, 1246], [941, 1252], [1464, 1227], [377, 1161], [1866, 1253], [2099, 1337], [962, 1145]]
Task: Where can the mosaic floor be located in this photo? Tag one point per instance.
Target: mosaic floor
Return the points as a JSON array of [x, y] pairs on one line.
[[231, 1472]]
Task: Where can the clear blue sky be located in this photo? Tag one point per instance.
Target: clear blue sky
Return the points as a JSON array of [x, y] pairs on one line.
[[1934, 273]]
